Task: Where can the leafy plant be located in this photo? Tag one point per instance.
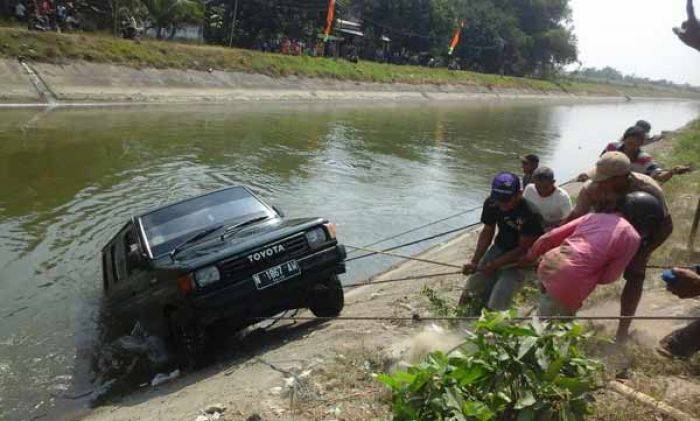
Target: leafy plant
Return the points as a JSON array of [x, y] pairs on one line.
[[441, 308], [505, 370]]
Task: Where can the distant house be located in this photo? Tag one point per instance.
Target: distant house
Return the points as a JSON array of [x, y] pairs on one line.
[[187, 33]]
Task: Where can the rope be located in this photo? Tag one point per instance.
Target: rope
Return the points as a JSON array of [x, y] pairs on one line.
[[408, 278], [419, 318], [275, 320], [412, 230], [442, 234], [432, 237], [450, 265], [671, 267], [403, 256]]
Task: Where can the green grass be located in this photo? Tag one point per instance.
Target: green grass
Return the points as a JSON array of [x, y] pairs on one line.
[[102, 48], [682, 193]]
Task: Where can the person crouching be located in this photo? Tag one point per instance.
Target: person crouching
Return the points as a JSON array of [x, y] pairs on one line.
[[494, 278], [592, 250]]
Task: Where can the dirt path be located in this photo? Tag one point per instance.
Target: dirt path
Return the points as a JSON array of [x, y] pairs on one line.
[[334, 360]]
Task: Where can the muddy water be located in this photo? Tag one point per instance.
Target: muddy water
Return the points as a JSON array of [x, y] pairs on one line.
[[69, 178]]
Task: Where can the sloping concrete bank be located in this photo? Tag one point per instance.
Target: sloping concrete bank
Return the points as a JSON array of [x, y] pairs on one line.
[[86, 83]]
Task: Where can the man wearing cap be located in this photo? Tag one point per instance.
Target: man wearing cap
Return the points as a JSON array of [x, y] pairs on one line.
[[642, 162], [530, 163], [612, 180], [551, 202], [494, 278]]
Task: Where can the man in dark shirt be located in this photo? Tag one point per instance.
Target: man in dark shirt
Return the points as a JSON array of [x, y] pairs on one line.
[[494, 278], [530, 163]]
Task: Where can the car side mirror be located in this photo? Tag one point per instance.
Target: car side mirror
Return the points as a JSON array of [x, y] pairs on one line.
[[279, 211]]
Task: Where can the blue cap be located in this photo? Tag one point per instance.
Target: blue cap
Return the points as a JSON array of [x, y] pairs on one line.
[[504, 186]]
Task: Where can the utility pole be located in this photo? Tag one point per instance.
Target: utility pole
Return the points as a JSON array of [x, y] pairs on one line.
[[233, 23]]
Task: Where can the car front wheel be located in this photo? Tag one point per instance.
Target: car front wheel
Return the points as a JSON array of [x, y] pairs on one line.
[[327, 298]]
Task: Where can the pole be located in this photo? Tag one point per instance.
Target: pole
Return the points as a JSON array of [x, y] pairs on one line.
[[694, 228], [233, 23], [115, 16]]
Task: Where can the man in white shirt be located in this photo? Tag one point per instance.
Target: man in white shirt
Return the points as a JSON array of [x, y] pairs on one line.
[[548, 200]]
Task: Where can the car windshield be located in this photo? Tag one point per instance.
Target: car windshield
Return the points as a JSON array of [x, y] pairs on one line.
[[170, 226]]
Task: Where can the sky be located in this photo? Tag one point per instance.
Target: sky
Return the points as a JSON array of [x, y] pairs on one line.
[[635, 37]]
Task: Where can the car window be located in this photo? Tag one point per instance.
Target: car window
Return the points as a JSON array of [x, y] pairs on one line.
[[167, 227], [129, 242]]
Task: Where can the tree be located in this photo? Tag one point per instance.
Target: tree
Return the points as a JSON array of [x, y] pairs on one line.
[[689, 32], [172, 13], [517, 37]]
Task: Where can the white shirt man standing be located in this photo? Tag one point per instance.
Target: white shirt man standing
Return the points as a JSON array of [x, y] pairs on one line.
[[547, 199]]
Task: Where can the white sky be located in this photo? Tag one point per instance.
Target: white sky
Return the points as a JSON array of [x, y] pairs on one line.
[[635, 37]]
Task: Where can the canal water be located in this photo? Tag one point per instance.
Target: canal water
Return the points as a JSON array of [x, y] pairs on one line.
[[70, 178]]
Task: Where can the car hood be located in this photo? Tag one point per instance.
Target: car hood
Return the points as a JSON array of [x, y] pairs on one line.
[[213, 250]]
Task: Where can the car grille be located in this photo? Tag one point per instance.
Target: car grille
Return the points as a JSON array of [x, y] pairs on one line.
[[241, 267]]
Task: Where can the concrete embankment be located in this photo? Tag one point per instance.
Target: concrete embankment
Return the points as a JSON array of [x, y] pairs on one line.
[[84, 83]]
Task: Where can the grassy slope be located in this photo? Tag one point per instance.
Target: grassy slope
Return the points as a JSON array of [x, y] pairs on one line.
[[55, 48], [682, 193], [647, 370]]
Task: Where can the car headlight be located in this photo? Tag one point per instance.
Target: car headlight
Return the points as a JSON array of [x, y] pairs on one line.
[[207, 276], [316, 237]]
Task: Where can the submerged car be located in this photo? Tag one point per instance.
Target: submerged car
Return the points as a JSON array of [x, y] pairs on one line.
[[223, 256]]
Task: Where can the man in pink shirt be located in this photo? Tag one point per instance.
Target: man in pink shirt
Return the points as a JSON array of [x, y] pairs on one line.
[[591, 250]]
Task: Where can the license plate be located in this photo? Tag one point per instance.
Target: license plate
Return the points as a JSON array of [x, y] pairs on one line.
[[276, 274]]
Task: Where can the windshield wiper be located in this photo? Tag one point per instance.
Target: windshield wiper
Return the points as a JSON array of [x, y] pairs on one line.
[[196, 237], [233, 228]]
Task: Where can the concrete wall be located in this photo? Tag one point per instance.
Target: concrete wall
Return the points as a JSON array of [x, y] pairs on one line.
[[15, 85], [89, 82]]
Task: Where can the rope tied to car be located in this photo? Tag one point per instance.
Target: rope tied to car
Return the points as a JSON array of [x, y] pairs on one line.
[[451, 265], [429, 224], [408, 278], [432, 237], [402, 256]]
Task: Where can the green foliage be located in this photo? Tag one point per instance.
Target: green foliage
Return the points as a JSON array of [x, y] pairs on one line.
[[687, 150], [441, 308], [504, 371], [502, 36], [610, 74], [165, 14]]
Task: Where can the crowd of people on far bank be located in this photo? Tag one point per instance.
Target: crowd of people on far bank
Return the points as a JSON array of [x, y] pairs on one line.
[[620, 218], [46, 15]]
